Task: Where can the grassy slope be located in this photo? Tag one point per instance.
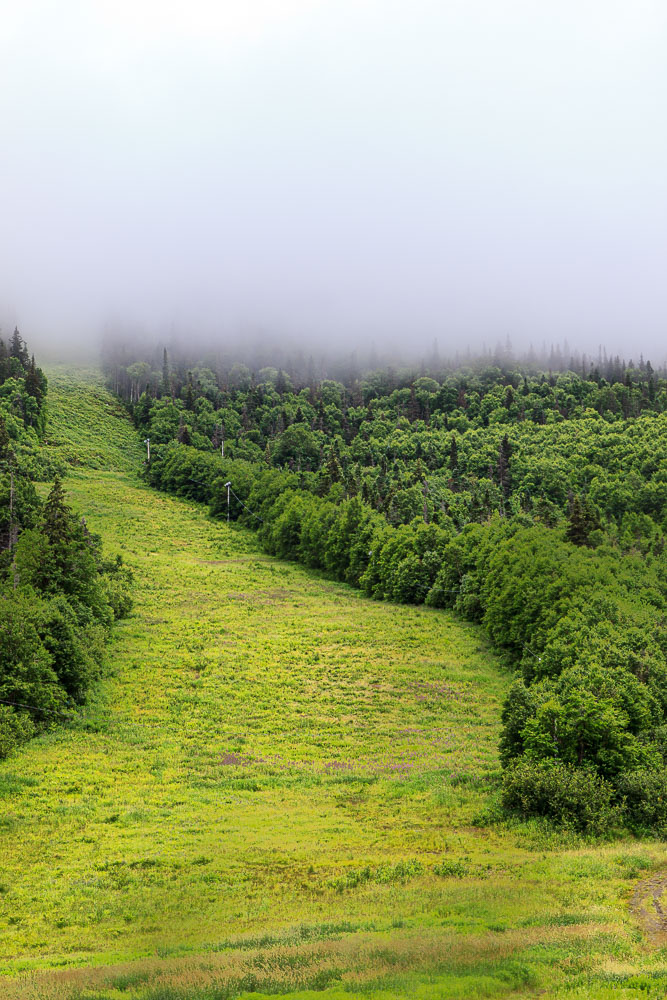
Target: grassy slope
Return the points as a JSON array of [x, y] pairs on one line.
[[247, 793]]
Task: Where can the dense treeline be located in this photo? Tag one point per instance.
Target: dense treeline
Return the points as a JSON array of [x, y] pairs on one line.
[[133, 364], [23, 412], [428, 448], [22, 422], [58, 593], [531, 502]]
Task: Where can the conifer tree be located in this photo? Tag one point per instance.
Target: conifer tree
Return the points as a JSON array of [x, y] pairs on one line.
[[33, 383], [582, 521], [57, 515], [17, 348]]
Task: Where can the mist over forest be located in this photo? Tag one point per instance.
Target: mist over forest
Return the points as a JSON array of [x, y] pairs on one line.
[[336, 175]]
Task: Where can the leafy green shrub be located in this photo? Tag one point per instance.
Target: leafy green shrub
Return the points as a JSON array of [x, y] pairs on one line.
[[450, 869], [519, 707], [645, 797], [571, 796], [27, 673], [15, 728], [401, 871]]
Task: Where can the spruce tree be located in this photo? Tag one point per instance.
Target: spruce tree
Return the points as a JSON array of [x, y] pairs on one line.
[[33, 383], [582, 521], [57, 515], [17, 348]]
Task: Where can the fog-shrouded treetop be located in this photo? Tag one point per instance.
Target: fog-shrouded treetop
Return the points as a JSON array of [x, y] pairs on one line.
[[336, 171]]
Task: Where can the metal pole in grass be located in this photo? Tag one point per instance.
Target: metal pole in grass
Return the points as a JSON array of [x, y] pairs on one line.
[[228, 484], [147, 442]]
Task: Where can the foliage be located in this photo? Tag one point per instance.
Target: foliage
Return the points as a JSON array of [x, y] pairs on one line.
[[645, 797], [22, 412], [58, 594], [528, 501], [15, 728], [57, 599], [573, 796]]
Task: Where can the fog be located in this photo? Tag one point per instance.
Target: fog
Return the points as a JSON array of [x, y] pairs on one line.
[[339, 172]]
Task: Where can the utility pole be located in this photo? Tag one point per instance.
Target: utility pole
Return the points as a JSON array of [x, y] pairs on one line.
[[228, 485], [147, 442]]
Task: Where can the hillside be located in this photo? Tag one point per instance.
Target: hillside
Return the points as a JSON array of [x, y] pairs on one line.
[[282, 785]]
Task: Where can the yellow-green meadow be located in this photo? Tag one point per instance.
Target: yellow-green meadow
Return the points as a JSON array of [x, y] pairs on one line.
[[281, 787]]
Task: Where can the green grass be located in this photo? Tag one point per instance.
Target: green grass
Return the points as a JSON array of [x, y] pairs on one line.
[[87, 427], [282, 787]]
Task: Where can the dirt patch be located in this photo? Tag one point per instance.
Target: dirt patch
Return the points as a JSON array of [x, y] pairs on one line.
[[649, 905]]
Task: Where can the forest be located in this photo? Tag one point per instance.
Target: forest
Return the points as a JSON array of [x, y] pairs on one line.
[[528, 498], [59, 593]]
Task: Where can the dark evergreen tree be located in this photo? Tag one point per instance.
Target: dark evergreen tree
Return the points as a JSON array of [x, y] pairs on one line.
[[57, 515], [33, 382], [583, 519], [17, 348]]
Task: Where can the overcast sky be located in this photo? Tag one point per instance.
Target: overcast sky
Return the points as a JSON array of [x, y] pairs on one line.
[[350, 168]]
